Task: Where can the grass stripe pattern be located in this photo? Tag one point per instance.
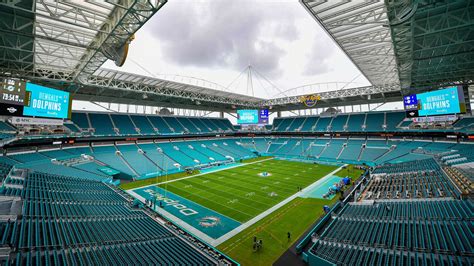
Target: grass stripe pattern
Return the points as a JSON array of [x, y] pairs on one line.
[[242, 193]]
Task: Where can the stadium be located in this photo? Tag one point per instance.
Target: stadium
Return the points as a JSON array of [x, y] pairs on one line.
[[194, 174]]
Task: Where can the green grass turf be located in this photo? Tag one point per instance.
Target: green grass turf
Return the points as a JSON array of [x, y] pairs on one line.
[[295, 217], [154, 180], [256, 159], [240, 193], [350, 171]]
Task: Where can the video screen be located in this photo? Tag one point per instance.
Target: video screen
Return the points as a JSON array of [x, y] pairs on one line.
[[46, 102], [252, 117], [441, 102]]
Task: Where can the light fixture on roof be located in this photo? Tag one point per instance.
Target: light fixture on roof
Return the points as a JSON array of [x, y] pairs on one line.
[[118, 54]]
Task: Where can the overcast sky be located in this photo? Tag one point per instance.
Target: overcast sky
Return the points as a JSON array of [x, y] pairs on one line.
[[215, 40]]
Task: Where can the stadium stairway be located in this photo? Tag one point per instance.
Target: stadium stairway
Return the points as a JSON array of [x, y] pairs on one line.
[[136, 160], [172, 151], [308, 124], [108, 155], [102, 124], [157, 156], [124, 124], [143, 124]]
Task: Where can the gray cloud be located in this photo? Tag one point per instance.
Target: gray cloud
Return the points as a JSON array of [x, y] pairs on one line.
[[319, 57], [225, 33]]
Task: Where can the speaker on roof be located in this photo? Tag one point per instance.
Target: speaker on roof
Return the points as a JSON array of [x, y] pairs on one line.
[[118, 54]]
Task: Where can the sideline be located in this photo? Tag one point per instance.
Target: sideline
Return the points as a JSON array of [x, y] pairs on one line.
[[202, 236], [264, 214], [237, 230], [191, 176]]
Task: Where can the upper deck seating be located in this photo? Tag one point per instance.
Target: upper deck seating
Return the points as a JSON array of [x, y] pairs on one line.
[[124, 124], [102, 124]]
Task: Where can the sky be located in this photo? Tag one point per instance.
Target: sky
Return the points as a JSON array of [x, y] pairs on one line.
[[216, 40]]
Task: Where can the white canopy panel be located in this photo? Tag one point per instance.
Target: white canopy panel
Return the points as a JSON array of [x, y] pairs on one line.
[[361, 29]]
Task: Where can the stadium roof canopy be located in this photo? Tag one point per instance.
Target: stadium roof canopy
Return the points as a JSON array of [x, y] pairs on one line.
[[414, 44], [65, 40], [360, 29], [397, 45]]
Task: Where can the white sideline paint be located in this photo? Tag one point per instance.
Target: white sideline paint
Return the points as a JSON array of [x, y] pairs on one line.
[[176, 220], [264, 214], [215, 242], [191, 176]]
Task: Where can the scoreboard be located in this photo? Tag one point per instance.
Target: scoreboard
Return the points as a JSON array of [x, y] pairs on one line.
[[445, 101], [46, 102], [252, 117], [21, 98], [12, 91], [12, 96]]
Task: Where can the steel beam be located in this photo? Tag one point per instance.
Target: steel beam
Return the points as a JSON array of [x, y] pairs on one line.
[[119, 27]]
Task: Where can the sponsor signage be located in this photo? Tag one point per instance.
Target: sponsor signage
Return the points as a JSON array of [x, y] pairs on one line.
[[412, 113], [310, 100], [444, 118], [11, 109], [16, 120]]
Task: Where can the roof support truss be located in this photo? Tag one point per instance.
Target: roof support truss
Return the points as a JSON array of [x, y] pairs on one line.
[[124, 21]]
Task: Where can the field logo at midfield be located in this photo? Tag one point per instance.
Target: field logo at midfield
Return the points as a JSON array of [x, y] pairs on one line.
[[174, 203], [264, 174], [209, 221]]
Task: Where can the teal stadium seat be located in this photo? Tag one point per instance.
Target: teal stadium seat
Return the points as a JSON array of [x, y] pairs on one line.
[[142, 122], [102, 124], [76, 221], [124, 124], [81, 120]]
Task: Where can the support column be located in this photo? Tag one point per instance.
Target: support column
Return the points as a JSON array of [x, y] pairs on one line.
[[469, 97]]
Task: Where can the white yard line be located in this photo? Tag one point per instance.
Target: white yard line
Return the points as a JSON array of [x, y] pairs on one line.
[[191, 176], [235, 231], [264, 214]]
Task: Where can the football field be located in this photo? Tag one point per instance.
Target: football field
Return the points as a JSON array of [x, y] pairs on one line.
[[243, 192], [213, 204]]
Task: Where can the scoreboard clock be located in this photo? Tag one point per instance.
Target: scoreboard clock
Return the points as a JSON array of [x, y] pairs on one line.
[[12, 91]]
